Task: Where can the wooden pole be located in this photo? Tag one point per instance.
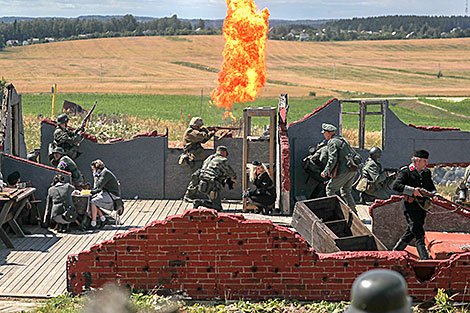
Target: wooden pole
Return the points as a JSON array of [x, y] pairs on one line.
[[54, 91]]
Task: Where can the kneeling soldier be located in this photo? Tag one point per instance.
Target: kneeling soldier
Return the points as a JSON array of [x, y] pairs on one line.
[[214, 174]]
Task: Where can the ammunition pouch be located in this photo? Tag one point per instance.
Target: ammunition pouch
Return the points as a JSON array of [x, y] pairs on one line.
[[205, 186]]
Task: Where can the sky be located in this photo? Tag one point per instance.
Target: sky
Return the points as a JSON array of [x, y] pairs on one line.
[[216, 9]]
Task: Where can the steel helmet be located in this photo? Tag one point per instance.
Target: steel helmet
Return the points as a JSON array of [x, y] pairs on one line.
[[380, 291], [196, 121], [62, 119], [375, 152]]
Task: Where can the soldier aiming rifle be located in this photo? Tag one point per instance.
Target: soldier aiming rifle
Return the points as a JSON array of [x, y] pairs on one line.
[[68, 139]]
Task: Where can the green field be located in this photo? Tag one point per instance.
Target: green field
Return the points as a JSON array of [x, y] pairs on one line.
[[171, 108]]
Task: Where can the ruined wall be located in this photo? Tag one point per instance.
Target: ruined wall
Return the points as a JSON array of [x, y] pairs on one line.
[[147, 168], [11, 108], [305, 133], [209, 255], [446, 146], [39, 175], [389, 223], [401, 140]]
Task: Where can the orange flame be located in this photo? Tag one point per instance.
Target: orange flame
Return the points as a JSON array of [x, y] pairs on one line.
[[229, 114], [244, 70]]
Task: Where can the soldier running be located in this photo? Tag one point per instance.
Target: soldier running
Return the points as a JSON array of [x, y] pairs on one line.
[[342, 178], [410, 180]]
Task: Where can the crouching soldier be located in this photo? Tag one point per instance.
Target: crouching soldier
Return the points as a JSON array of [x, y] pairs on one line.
[[314, 164], [214, 174], [65, 138], [375, 180], [65, 163]]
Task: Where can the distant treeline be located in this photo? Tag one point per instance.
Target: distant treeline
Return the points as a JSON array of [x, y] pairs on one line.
[[40, 30], [377, 28], [26, 31]]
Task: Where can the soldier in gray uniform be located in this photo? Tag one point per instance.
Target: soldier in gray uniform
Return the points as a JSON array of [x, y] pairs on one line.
[[342, 178], [65, 163], [314, 164], [59, 197], [214, 174], [380, 291], [374, 178], [66, 138], [193, 138]]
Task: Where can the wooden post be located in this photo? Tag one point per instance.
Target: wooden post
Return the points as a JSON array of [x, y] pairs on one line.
[[54, 90]]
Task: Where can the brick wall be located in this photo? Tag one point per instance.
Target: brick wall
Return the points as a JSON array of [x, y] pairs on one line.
[[209, 255]]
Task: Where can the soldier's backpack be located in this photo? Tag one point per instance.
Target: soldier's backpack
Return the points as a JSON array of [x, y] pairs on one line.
[[353, 159]]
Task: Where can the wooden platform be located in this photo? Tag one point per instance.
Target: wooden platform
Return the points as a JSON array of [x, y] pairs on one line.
[[36, 267]]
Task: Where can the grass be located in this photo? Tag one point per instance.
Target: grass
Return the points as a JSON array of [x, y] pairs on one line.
[[123, 115], [461, 107], [140, 303], [183, 65]]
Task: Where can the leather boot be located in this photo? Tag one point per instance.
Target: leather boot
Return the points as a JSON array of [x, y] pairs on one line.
[[400, 245], [422, 251]]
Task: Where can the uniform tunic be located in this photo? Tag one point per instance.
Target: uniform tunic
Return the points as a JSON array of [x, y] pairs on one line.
[[67, 164], [316, 164], [215, 170], [376, 176], [338, 148], [59, 197], [407, 179], [193, 140], [67, 139]]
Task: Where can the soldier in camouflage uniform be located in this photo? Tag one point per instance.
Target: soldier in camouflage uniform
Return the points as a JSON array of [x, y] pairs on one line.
[[193, 139], [65, 163], [66, 138], [214, 174], [342, 178]]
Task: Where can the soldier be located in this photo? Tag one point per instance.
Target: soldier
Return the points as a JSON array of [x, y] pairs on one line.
[[65, 163], [342, 176], [314, 164], [410, 180], [193, 138], [59, 203], [380, 291], [65, 138], [214, 174], [374, 179]]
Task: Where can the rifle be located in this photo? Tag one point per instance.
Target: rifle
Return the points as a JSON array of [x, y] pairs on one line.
[[428, 194], [85, 120], [391, 169], [217, 128], [229, 129]]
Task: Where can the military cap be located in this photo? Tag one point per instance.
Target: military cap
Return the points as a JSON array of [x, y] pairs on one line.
[[327, 128], [196, 121], [58, 150], [256, 163], [13, 178], [222, 148], [423, 154], [380, 291], [62, 119]]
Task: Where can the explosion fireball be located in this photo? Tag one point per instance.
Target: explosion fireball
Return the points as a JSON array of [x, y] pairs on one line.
[[243, 72]]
